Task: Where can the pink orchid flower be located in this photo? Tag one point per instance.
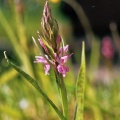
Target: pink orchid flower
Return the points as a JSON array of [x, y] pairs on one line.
[[54, 55], [62, 69], [41, 59]]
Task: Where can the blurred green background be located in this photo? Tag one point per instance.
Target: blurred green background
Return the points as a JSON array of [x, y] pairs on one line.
[[19, 21]]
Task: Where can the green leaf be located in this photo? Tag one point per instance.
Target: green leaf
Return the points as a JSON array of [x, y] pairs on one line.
[[35, 84], [80, 88]]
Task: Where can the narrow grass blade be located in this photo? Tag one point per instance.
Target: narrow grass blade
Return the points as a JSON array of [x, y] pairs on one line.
[[14, 41], [35, 84], [80, 88]]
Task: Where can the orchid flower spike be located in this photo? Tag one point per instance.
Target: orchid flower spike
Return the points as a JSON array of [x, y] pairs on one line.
[[55, 52]]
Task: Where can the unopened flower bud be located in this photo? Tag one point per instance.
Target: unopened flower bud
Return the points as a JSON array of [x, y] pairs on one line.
[[49, 26]]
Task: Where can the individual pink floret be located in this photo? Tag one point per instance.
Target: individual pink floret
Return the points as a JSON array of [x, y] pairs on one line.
[[62, 69], [41, 59]]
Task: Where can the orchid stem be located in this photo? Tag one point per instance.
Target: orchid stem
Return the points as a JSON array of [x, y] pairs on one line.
[[63, 94]]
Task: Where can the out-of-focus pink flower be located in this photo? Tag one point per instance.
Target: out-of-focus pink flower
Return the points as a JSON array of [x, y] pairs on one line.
[[107, 48]]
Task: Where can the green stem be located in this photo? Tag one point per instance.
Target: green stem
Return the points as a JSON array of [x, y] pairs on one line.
[[63, 94]]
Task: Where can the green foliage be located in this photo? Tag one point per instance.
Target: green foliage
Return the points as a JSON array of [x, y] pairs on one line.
[[35, 84], [80, 87], [101, 97]]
